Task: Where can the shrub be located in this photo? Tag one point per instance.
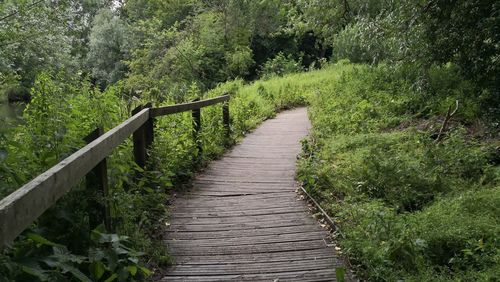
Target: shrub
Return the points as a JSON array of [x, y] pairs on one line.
[[280, 65]]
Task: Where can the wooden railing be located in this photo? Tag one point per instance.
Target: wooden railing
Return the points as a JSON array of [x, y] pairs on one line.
[[25, 205]]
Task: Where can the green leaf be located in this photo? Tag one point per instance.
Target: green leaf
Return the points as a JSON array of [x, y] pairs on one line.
[[112, 278], [97, 270], [132, 269], [42, 241], [76, 273], [96, 254], [35, 271], [340, 274], [145, 271]]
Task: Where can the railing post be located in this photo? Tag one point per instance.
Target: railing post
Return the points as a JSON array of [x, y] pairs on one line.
[[143, 138], [97, 186], [197, 127], [149, 130], [227, 125]]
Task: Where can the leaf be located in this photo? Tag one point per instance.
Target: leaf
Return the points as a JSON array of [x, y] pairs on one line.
[[112, 278], [42, 241], [132, 269], [146, 271], [123, 274], [97, 270], [96, 254], [340, 274], [35, 271], [76, 273]]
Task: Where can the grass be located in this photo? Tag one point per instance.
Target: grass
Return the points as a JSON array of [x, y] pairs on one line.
[[410, 208]]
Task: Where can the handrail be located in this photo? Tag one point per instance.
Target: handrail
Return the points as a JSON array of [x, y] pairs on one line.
[[188, 106], [22, 207]]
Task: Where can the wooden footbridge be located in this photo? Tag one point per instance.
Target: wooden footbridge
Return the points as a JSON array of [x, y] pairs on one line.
[[241, 220]]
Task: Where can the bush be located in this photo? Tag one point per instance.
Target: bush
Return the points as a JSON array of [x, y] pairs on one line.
[[280, 65], [362, 42]]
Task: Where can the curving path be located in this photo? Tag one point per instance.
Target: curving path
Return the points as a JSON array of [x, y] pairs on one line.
[[243, 220]]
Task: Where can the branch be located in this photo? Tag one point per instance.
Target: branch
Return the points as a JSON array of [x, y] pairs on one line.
[[449, 115], [346, 11], [30, 6]]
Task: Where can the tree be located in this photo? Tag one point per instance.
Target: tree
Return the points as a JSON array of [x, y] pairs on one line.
[[33, 37], [109, 46]]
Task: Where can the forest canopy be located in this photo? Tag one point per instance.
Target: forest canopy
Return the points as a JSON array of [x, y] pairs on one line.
[[163, 48]]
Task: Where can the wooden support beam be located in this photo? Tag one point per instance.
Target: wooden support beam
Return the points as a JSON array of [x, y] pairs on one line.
[[196, 113], [143, 138], [98, 189], [139, 140], [149, 135], [226, 121]]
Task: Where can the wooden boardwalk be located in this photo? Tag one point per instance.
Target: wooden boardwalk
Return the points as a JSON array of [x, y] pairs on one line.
[[243, 220]]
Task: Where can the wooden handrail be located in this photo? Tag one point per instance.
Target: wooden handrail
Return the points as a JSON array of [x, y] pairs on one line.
[[21, 208], [188, 106]]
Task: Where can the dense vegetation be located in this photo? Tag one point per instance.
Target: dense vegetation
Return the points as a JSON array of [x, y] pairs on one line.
[[413, 188]]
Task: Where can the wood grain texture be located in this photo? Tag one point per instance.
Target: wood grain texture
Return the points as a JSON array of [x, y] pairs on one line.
[[243, 221]]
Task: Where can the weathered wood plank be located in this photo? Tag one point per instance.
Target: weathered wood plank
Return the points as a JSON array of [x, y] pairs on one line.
[[261, 268], [290, 256], [155, 112], [244, 249], [308, 275], [237, 213], [181, 235], [249, 240]]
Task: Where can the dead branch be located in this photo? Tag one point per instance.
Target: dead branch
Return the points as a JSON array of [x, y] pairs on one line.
[[447, 118]]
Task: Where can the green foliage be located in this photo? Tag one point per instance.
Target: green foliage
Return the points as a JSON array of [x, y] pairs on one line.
[[38, 259], [112, 260], [280, 65], [362, 42], [109, 45], [465, 32], [408, 207]]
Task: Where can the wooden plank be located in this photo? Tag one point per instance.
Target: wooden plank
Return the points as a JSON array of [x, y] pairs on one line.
[[23, 206], [278, 217], [243, 249], [245, 233], [260, 268], [250, 240], [239, 226], [205, 259], [184, 206], [302, 276], [237, 213], [156, 112]]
